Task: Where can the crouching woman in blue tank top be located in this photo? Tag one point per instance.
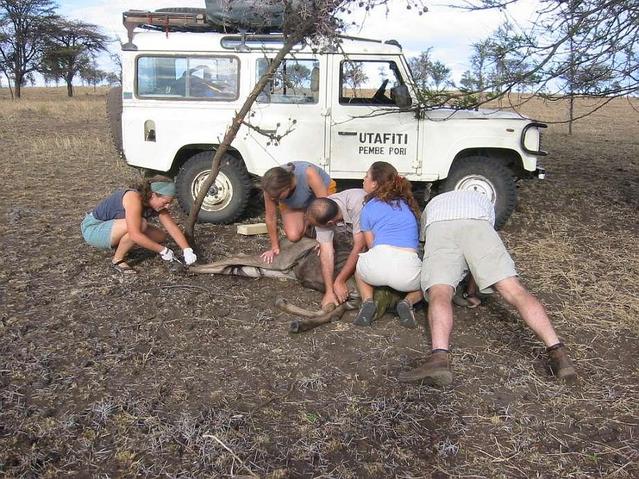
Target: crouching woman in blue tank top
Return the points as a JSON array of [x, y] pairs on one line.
[[121, 222], [291, 188], [389, 221]]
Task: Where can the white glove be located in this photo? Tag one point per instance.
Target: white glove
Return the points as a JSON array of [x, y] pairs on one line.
[[189, 256], [167, 254]]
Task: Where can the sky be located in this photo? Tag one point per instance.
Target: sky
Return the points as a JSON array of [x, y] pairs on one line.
[[449, 32]]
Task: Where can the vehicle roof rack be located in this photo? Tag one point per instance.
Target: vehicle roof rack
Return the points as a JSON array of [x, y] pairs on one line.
[[166, 20]]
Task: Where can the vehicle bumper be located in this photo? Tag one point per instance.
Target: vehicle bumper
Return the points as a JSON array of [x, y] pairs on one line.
[[540, 173]]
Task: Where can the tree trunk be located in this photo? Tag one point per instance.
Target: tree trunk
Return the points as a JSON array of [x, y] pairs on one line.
[[571, 112], [17, 86], [8, 83], [231, 132], [69, 88]]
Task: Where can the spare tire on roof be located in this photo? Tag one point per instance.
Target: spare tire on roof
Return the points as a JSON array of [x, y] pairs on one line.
[[254, 15], [194, 11]]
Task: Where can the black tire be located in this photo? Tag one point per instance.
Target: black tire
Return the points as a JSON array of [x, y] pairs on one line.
[[114, 116], [233, 186], [489, 176]]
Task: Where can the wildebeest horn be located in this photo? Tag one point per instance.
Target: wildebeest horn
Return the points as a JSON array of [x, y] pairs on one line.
[[287, 307], [312, 319], [301, 325]]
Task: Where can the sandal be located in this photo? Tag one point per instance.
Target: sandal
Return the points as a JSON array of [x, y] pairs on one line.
[[406, 314], [467, 300], [366, 313], [122, 267]]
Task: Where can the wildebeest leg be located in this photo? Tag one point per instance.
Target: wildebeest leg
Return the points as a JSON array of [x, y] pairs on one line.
[[253, 272], [247, 272]]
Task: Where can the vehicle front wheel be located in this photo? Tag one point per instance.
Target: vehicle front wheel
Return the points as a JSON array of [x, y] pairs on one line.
[[488, 176], [228, 196]]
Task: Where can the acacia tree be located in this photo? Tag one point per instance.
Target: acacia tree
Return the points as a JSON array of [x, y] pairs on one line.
[[604, 33], [92, 75], [354, 76], [577, 80], [70, 47], [113, 79], [117, 61], [431, 77], [429, 73], [474, 82], [23, 27], [3, 69], [316, 21]]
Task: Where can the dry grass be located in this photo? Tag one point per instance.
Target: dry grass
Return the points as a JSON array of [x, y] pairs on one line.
[[616, 119], [179, 376]]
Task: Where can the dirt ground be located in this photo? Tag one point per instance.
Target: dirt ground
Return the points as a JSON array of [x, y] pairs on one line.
[[175, 375]]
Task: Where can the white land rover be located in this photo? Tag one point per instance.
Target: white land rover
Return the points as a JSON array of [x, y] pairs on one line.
[[343, 110]]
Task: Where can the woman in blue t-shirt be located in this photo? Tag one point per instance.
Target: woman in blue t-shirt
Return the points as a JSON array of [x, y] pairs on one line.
[[120, 222], [390, 225]]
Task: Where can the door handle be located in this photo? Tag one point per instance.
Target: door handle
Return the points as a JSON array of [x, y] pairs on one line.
[[347, 133]]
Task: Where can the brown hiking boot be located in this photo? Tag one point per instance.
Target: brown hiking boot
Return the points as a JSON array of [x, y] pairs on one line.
[[560, 364], [435, 372]]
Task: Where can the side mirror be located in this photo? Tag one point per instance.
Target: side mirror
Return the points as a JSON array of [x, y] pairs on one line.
[[401, 96]]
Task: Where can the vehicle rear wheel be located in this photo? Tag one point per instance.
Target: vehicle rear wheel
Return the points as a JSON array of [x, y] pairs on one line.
[[488, 176], [228, 196]]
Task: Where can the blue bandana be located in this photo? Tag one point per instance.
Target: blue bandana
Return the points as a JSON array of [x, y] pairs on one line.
[[164, 188]]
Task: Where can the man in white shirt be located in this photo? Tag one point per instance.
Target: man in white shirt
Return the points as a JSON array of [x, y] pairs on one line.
[[339, 210], [460, 237]]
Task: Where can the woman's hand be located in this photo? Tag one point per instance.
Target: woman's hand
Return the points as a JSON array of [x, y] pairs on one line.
[[167, 254], [269, 255], [189, 256]]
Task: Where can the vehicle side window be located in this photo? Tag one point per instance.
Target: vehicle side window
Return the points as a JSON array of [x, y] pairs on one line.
[[201, 78], [295, 81], [368, 82]]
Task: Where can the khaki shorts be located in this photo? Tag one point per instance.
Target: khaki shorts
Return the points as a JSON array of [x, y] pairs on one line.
[[386, 265], [452, 248]]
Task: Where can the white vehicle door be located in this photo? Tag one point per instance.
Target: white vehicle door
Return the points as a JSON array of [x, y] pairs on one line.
[[287, 120], [366, 125]]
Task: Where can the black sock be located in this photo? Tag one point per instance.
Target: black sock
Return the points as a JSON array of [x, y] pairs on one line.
[[439, 350]]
